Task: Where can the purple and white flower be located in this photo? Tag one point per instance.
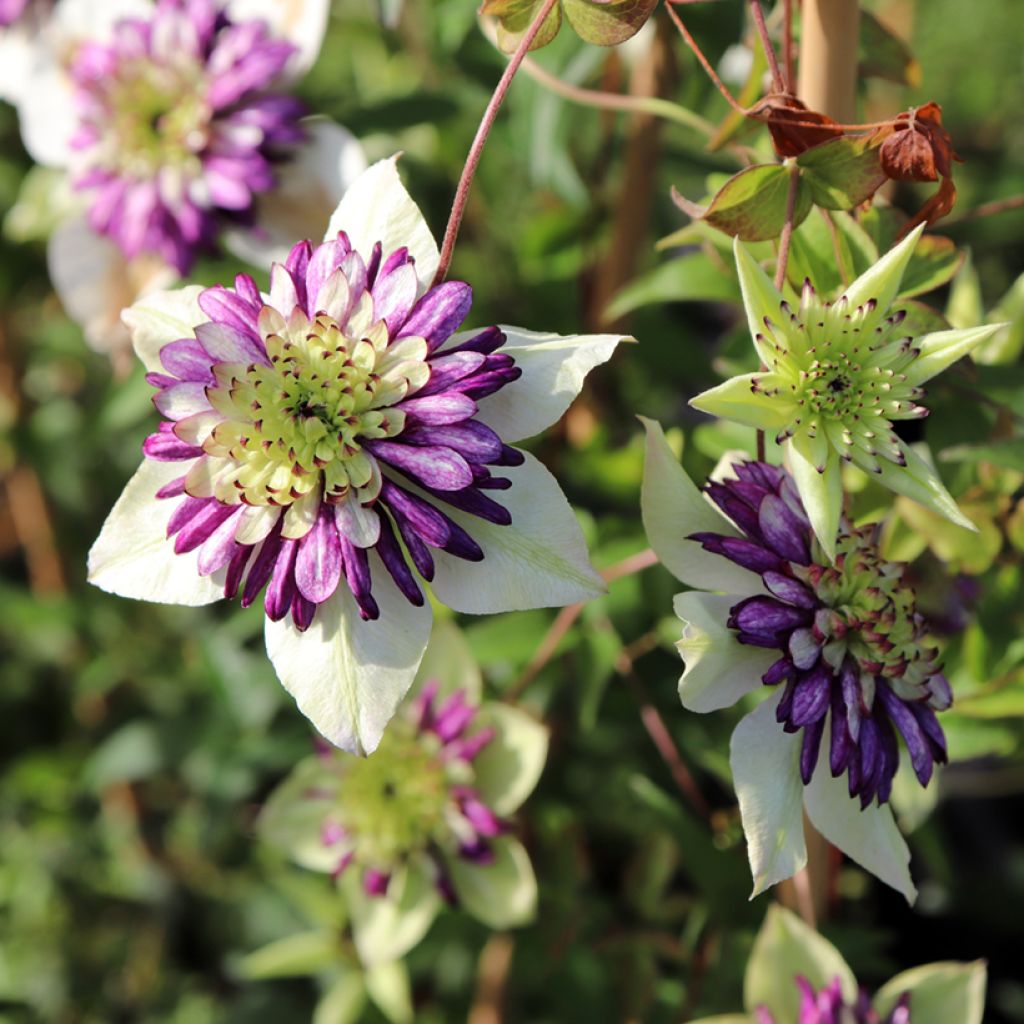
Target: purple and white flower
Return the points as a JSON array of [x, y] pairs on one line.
[[334, 445], [840, 644], [422, 823], [796, 976], [174, 123], [179, 122]]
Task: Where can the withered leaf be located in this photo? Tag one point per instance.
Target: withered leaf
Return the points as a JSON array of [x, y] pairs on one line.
[[916, 146], [793, 127]]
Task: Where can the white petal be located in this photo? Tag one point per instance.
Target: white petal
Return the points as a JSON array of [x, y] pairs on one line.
[[509, 767], [292, 819], [785, 948], [346, 675], [95, 282], [502, 894], [18, 46], [301, 22], [554, 367], [719, 669], [133, 556], [385, 928], [672, 509], [881, 281], [870, 837], [766, 775], [163, 317], [308, 187], [538, 561], [940, 993], [46, 111], [449, 661], [377, 208]]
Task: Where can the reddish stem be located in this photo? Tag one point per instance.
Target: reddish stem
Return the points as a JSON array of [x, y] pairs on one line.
[[780, 84], [704, 62], [476, 150]]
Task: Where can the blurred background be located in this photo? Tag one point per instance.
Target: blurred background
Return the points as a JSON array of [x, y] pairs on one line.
[[138, 742]]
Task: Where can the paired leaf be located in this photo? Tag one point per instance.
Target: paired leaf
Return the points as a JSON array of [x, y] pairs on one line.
[[752, 204], [602, 22], [841, 173]]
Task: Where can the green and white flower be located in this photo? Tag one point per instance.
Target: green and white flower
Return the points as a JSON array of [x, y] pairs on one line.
[[834, 378], [795, 976]]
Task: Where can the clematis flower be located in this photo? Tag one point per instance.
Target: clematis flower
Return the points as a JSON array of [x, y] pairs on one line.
[[175, 125], [334, 445], [794, 976], [22, 22], [836, 376], [840, 645], [422, 823]]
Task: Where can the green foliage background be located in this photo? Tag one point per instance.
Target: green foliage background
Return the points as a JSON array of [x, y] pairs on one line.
[[137, 742]]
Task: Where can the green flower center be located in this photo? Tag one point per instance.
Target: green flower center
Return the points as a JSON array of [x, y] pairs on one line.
[[299, 424], [870, 615], [159, 119], [396, 804]]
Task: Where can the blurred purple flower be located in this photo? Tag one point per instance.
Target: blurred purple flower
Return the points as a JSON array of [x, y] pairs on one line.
[[827, 1006], [178, 126]]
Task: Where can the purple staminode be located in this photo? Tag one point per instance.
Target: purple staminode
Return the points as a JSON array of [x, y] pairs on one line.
[[179, 126], [827, 1006], [851, 643], [327, 422]]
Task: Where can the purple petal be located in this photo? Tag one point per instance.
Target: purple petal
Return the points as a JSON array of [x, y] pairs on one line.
[[809, 749], [746, 553], [435, 410], [187, 360], [357, 574], [201, 526], [764, 616], [394, 295], [447, 369], [431, 525], [474, 441], [439, 313], [318, 563], [281, 589], [219, 548], [437, 467], [787, 589], [804, 648], [394, 561], [782, 531], [227, 344], [811, 696]]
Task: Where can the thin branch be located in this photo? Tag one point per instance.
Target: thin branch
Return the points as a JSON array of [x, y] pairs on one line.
[[778, 81], [704, 62], [652, 105], [567, 616], [787, 44], [991, 209], [480, 140]]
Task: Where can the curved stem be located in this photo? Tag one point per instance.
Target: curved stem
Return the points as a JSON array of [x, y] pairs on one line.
[[779, 82], [479, 141], [704, 62], [653, 105]]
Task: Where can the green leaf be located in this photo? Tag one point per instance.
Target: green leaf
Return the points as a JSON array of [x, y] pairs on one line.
[[934, 263], [292, 956], [784, 948], [607, 22], [942, 993], [751, 205], [343, 1002], [830, 249], [841, 173], [388, 986], [516, 16], [1009, 454], [1007, 345], [691, 278], [884, 55]]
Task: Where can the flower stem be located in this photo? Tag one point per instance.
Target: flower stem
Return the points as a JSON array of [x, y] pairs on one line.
[[704, 62], [779, 82], [476, 150]]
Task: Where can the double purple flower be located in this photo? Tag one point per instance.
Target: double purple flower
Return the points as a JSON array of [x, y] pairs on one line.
[[829, 1007], [179, 127], [326, 422], [851, 644]]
